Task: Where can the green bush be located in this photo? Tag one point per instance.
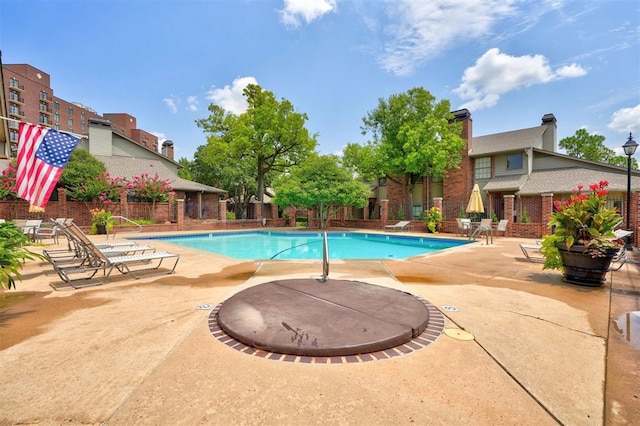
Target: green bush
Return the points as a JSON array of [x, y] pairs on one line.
[[13, 254]]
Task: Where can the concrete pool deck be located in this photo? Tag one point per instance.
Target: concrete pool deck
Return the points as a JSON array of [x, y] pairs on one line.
[[140, 351]]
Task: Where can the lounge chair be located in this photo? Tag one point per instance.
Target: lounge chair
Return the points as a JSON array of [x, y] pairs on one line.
[[97, 261], [400, 226], [529, 249], [76, 253]]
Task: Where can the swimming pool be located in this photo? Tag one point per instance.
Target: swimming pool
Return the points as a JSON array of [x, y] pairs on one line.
[[308, 245]]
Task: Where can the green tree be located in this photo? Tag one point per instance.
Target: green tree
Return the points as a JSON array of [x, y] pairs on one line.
[[270, 136], [320, 183], [413, 136], [591, 147], [82, 167], [185, 171]]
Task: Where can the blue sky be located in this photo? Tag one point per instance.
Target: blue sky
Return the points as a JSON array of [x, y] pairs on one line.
[[508, 61]]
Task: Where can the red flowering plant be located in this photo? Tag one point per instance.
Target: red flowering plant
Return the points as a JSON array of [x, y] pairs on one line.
[[583, 220], [151, 189]]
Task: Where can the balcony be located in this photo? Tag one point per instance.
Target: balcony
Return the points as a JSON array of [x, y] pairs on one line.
[[13, 84], [45, 97], [14, 97], [16, 112], [45, 109]]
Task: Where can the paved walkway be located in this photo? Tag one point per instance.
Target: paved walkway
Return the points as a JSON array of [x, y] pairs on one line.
[[140, 352]]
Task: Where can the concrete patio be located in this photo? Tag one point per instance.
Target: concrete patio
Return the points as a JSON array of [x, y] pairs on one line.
[[140, 351]]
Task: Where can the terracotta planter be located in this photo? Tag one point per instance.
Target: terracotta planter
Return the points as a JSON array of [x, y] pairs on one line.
[[582, 269]]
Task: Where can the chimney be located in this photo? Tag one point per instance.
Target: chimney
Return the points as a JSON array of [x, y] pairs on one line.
[[464, 116], [549, 138], [167, 149]]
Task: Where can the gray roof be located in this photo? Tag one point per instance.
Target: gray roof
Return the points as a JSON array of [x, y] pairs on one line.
[[516, 140], [505, 183], [127, 167], [565, 180]]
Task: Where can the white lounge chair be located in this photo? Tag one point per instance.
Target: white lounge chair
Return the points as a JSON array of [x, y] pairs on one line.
[[97, 261], [400, 226], [532, 252], [502, 227]]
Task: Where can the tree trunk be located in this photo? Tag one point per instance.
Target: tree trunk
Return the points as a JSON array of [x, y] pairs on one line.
[[260, 193]]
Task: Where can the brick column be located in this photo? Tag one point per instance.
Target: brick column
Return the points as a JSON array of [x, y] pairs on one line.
[[509, 201], [223, 210], [62, 203], [258, 210], [291, 211], [180, 212], [366, 211], [547, 207], [310, 221], [274, 211], [384, 211]]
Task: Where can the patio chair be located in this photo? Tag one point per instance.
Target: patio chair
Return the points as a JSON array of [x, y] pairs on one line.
[[96, 261], [50, 230], [400, 226], [485, 228], [502, 227], [464, 226]]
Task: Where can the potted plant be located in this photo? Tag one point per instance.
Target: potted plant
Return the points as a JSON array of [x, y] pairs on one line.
[[583, 243], [100, 220]]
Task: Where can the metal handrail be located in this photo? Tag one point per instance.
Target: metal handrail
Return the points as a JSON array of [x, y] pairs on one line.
[[128, 220], [325, 258]]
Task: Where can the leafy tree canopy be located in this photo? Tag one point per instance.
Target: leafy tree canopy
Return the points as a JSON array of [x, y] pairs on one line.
[[412, 136], [82, 167], [270, 137], [320, 183], [591, 147]]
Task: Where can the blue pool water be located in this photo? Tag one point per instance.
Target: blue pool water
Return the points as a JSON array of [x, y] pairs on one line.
[[278, 245]]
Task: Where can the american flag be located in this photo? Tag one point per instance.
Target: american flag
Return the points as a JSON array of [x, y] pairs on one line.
[[42, 155]]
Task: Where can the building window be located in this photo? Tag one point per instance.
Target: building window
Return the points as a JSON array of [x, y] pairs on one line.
[[13, 136], [70, 122], [56, 106], [82, 117], [514, 161], [14, 109], [82, 127], [56, 116], [70, 110], [483, 168]]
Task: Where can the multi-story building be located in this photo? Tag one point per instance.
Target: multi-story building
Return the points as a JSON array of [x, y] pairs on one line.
[[30, 97]]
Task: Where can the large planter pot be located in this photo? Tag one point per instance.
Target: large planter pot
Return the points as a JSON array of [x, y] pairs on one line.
[[582, 269], [101, 229]]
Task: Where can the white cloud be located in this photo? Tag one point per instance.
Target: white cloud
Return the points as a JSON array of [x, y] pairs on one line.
[[495, 74], [230, 97], [422, 29], [171, 103], [626, 120], [192, 102], [309, 10]]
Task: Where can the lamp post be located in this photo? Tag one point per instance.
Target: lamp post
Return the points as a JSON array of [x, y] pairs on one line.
[[629, 148]]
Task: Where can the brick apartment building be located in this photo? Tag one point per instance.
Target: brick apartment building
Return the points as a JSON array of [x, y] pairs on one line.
[[30, 97], [520, 173]]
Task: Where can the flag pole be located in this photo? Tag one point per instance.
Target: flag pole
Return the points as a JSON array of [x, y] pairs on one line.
[[62, 131]]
